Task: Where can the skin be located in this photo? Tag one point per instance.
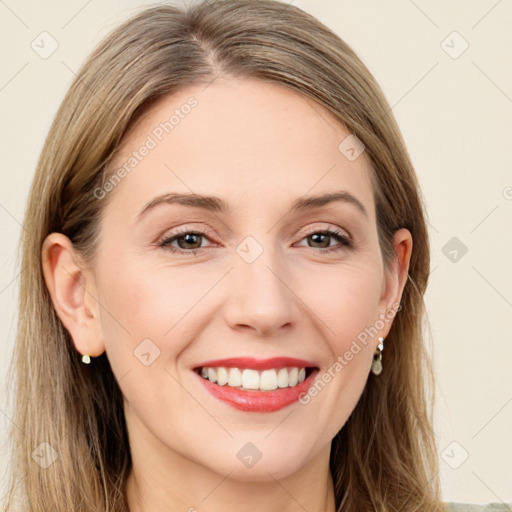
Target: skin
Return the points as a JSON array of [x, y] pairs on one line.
[[258, 146]]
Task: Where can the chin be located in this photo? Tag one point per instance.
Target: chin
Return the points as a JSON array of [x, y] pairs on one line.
[[249, 464]]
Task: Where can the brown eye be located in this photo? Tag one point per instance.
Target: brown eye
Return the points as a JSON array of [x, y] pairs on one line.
[[188, 242], [321, 240]]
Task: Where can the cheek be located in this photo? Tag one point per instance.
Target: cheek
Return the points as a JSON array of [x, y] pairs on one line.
[[142, 301], [146, 311], [345, 301]]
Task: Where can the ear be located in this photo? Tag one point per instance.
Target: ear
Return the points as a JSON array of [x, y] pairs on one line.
[[73, 292], [395, 278]]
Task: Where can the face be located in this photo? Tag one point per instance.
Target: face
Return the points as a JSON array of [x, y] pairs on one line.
[[267, 275]]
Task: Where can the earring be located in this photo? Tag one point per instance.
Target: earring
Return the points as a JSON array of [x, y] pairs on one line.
[[377, 358], [86, 359]]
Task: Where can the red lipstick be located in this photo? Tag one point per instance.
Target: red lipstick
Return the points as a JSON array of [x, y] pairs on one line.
[[258, 364], [255, 400]]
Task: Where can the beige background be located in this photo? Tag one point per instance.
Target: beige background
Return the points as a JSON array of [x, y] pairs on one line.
[[456, 117]]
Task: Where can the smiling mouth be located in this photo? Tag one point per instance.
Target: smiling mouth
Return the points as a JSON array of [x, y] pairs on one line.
[[248, 379]]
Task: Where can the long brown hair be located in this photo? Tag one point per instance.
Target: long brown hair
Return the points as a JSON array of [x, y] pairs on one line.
[[384, 457]]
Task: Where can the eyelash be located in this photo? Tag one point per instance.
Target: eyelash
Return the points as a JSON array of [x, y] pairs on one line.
[[345, 241]]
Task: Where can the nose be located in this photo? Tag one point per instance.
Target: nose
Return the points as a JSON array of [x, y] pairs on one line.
[[261, 298]]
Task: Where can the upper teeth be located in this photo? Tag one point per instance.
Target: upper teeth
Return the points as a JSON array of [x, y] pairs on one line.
[[265, 380]]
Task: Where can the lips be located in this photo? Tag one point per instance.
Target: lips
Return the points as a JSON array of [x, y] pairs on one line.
[[250, 400], [258, 364]]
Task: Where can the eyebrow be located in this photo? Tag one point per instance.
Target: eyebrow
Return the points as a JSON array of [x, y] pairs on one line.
[[218, 205]]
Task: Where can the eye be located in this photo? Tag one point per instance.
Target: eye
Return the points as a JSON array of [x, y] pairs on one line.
[[320, 237], [189, 241]]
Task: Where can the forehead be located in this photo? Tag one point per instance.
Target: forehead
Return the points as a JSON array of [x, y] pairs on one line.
[[248, 141]]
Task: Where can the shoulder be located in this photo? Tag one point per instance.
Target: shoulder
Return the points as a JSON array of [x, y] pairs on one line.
[[468, 507]]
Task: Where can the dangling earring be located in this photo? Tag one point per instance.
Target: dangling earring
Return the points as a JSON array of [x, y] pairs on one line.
[[86, 359], [377, 358]]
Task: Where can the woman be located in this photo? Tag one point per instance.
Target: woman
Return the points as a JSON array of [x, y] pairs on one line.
[[278, 361]]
